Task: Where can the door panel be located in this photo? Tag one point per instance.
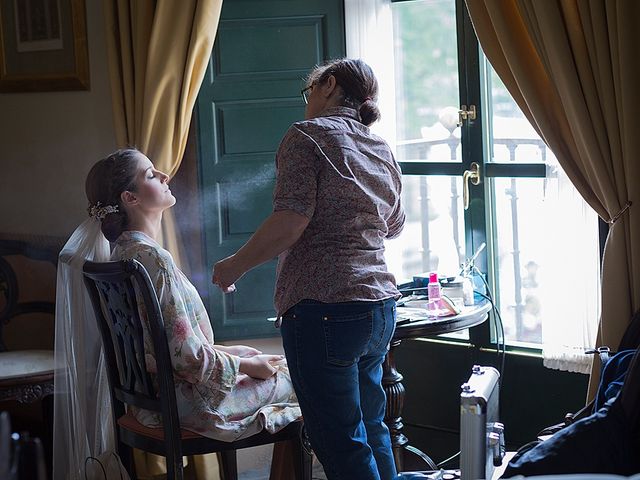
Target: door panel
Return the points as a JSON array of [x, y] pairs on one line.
[[250, 97], [263, 42], [250, 127]]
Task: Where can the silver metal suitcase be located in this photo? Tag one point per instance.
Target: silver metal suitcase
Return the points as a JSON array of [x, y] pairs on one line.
[[481, 434]]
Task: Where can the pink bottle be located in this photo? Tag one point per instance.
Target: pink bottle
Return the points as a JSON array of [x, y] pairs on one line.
[[433, 291]]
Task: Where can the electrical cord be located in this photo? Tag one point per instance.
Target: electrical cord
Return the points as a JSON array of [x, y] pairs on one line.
[[499, 325], [500, 339], [444, 462]]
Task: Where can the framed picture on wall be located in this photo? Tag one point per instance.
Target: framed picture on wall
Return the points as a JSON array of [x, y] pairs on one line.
[[43, 46]]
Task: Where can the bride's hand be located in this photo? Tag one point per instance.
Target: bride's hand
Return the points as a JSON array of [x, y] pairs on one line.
[[260, 366]]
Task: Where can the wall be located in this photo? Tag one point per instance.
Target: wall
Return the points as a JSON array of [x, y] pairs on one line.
[[48, 142]]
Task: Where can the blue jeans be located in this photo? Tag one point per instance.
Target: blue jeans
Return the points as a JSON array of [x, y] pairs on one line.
[[335, 353]]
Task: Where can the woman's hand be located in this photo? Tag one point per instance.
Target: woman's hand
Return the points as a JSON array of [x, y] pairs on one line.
[[225, 273], [260, 366], [243, 351], [278, 233]]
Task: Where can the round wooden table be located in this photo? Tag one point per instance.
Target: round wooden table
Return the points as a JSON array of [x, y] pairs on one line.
[[405, 455]]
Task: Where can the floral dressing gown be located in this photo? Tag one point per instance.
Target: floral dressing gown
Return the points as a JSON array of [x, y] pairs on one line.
[[214, 399]]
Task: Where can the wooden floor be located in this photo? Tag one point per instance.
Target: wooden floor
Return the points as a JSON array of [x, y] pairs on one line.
[[263, 474]]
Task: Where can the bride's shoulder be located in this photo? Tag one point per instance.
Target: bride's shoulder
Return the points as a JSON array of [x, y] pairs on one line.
[[149, 253]]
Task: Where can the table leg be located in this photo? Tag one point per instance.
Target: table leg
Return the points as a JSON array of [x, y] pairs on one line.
[[394, 390], [406, 457]]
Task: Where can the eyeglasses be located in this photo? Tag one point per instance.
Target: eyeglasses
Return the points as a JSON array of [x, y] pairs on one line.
[[305, 92]]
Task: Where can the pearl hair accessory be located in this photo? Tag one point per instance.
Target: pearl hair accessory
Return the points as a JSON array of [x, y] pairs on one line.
[[99, 212]]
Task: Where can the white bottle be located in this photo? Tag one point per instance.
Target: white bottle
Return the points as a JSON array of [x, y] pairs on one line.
[[467, 291]]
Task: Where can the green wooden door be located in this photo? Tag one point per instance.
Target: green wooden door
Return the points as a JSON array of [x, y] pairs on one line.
[[250, 96]]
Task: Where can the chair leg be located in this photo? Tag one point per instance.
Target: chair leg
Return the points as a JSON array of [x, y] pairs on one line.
[[228, 459], [282, 461], [175, 470]]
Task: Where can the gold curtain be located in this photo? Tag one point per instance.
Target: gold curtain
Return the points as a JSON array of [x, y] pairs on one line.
[[571, 65], [158, 51]]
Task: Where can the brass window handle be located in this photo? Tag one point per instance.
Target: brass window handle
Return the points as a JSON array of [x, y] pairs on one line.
[[474, 176], [464, 114]]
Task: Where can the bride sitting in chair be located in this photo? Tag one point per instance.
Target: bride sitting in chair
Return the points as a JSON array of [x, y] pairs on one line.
[[223, 392]]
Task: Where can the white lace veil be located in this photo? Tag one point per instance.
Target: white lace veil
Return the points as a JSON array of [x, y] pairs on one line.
[[82, 423]]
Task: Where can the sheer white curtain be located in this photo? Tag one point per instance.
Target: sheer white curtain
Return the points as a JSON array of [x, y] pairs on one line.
[[369, 33], [570, 286]]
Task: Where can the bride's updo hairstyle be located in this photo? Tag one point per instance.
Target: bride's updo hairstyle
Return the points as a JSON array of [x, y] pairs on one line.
[[358, 83], [106, 181]]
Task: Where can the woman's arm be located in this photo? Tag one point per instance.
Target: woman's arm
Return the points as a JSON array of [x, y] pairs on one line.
[[280, 231], [238, 350]]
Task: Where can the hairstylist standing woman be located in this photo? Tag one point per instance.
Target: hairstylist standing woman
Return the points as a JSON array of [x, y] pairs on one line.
[[337, 197]]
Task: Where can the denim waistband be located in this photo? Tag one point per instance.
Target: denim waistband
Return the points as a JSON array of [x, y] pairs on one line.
[[383, 301]]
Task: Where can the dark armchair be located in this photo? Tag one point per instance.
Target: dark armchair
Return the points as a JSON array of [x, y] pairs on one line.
[[111, 285], [26, 375]]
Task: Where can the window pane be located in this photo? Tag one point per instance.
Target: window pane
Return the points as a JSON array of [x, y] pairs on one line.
[[513, 137], [426, 64], [433, 236], [546, 260]]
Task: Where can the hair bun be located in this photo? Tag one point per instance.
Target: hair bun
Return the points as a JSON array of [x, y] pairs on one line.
[[113, 225], [369, 112]]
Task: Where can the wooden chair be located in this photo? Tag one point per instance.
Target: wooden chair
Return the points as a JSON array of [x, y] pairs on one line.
[[112, 285], [25, 375]]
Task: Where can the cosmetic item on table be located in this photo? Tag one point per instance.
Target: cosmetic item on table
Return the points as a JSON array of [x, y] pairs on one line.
[[433, 291], [453, 288]]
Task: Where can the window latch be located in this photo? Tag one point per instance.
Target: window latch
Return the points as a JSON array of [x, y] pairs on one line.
[[474, 175], [464, 114]]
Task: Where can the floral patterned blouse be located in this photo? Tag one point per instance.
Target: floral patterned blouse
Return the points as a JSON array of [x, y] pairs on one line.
[[346, 181], [214, 399]]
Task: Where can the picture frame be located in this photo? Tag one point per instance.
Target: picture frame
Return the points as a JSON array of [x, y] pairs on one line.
[[43, 46]]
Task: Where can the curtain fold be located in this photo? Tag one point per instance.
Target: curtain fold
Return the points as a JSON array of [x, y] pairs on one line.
[[158, 52], [572, 67]]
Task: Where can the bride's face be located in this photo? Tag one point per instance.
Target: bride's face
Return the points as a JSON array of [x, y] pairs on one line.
[[152, 187]]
